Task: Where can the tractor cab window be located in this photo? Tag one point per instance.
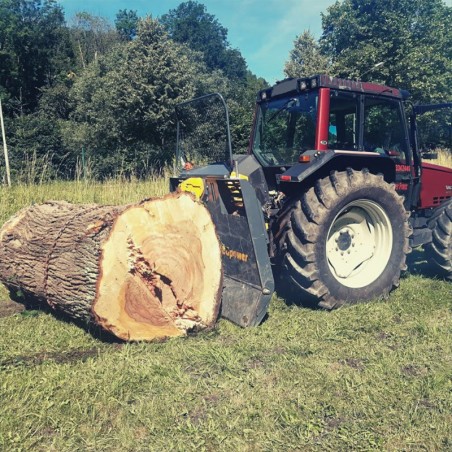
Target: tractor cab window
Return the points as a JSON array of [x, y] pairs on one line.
[[343, 126], [285, 128], [384, 130]]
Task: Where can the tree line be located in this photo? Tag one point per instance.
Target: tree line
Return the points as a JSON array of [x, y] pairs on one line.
[[88, 90]]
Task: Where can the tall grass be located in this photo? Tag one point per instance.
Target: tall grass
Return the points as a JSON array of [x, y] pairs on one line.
[[444, 158], [81, 191]]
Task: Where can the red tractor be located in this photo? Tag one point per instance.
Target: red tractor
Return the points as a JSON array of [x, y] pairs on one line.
[[332, 195]]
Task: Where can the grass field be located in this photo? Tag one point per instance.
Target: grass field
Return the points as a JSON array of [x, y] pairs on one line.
[[367, 377]]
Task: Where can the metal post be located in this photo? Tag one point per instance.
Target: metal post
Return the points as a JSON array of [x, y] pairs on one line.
[[83, 163], [8, 176]]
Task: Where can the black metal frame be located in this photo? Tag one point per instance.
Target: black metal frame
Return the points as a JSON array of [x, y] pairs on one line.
[[228, 128]]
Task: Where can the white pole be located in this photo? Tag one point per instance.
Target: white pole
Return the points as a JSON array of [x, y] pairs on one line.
[[8, 177]]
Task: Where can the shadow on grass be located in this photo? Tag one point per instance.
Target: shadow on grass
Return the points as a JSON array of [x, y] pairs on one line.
[[289, 294], [418, 265], [27, 305], [9, 308]]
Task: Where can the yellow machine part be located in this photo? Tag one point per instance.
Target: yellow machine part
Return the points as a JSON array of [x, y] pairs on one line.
[[236, 193], [193, 185], [234, 188], [241, 176]]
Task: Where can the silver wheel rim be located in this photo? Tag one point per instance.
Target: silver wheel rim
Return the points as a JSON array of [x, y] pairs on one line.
[[359, 243]]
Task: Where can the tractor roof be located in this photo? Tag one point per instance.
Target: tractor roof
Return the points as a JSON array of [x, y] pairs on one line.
[[299, 85]]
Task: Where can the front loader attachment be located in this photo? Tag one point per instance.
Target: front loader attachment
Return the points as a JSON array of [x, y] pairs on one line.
[[236, 212]]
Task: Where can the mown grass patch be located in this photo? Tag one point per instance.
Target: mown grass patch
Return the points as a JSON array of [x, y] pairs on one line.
[[372, 376]]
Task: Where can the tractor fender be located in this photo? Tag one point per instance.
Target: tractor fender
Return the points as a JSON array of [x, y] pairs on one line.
[[318, 164]]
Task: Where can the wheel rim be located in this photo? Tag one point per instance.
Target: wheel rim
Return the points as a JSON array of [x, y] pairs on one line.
[[359, 243]]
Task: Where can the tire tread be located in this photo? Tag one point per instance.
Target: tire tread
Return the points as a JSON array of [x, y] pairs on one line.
[[298, 231], [439, 249]]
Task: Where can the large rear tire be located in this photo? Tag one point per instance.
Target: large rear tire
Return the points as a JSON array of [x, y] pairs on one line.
[[439, 250], [344, 240]]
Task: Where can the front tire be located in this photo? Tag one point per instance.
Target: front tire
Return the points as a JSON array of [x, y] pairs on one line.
[[344, 240], [439, 250]]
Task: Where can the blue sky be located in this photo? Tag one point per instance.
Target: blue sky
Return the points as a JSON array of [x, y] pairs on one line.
[[263, 30]]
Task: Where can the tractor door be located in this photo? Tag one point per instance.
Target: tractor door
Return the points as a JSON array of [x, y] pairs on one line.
[[369, 123], [385, 131]]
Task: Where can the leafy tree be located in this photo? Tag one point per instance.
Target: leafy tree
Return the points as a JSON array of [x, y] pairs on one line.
[[306, 58], [34, 50], [123, 103], [126, 23], [37, 143], [91, 36], [410, 37], [191, 24], [242, 101], [55, 102]]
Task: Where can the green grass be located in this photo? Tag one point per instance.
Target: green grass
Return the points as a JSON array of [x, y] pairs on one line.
[[114, 191], [366, 377]]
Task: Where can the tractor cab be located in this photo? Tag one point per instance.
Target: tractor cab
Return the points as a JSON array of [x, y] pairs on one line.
[[300, 120], [323, 113]]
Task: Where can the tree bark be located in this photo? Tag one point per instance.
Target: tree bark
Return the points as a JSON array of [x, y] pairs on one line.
[[142, 272]]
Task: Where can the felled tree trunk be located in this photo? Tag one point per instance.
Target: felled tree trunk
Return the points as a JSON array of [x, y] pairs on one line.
[[141, 272]]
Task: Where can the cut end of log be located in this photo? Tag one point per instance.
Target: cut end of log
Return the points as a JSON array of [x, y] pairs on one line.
[[160, 271]]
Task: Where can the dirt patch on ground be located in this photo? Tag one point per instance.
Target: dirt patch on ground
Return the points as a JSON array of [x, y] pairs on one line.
[[75, 355], [9, 308], [411, 370], [427, 404], [382, 336], [255, 364], [334, 423], [57, 357], [355, 363]]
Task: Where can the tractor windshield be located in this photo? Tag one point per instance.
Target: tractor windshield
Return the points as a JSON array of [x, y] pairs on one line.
[[284, 129]]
